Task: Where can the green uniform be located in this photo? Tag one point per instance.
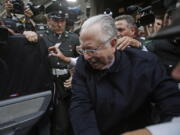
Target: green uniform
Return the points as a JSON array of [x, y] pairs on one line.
[[67, 43]]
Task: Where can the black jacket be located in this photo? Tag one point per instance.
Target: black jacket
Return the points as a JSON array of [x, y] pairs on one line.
[[167, 51], [118, 99], [27, 66]]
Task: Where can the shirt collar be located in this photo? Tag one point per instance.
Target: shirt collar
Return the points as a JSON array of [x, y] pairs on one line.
[[113, 67]]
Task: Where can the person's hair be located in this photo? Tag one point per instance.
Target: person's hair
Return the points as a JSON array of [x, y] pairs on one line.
[[159, 17], [106, 24], [130, 20]]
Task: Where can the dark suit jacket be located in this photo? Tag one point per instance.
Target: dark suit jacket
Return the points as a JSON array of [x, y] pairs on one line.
[[118, 99]]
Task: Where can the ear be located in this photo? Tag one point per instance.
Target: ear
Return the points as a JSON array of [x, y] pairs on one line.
[[133, 32], [113, 42]]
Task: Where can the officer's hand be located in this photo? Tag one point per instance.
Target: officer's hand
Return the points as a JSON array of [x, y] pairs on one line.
[[68, 83], [28, 12], [54, 51], [8, 6], [124, 42], [31, 36]]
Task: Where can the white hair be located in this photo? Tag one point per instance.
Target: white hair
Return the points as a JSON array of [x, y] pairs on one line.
[[106, 23]]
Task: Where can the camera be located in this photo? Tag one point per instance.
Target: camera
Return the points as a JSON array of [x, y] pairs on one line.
[[18, 6], [36, 9], [15, 25], [146, 14]]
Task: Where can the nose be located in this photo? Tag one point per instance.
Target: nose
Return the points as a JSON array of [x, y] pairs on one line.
[[87, 57], [119, 34], [59, 24]]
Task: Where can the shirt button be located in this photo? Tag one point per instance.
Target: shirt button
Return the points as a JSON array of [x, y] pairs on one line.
[[58, 63]]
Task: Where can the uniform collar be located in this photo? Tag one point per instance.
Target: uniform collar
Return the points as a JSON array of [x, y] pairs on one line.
[[53, 37]]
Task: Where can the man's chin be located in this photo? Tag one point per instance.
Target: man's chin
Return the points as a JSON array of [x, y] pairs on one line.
[[59, 31], [97, 66]]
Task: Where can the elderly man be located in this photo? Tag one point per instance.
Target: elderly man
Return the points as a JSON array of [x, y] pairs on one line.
[[112, 90]]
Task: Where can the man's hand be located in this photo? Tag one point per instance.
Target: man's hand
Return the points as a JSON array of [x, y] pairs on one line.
[[124, 42], [31, 36], [138, 132], [28, 12], [54, 51], [67, 83]]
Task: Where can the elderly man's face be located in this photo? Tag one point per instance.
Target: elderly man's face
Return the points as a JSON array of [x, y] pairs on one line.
[[123, 29], [58, 26], [98, 54]]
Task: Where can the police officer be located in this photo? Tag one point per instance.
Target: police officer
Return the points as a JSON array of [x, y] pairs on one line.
[[56, 35]]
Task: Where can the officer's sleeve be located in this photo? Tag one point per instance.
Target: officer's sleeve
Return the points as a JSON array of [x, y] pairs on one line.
[[76, 43], [82, 115], [149, 45], [165, 92]]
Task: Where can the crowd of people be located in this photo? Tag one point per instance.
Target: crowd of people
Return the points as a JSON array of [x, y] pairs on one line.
[[110, 78]]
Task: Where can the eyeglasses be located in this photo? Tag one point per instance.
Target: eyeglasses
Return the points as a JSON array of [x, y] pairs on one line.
[[89, 51], [92, 51]]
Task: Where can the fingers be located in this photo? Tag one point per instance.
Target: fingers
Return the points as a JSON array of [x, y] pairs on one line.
[[54, 51], [31, 36], [123, 43], [52, 48], [28, 12], [67, 83]]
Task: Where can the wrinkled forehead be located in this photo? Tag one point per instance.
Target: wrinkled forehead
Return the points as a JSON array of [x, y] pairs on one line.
[[158, 21], [91, 33], [121, 23]]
